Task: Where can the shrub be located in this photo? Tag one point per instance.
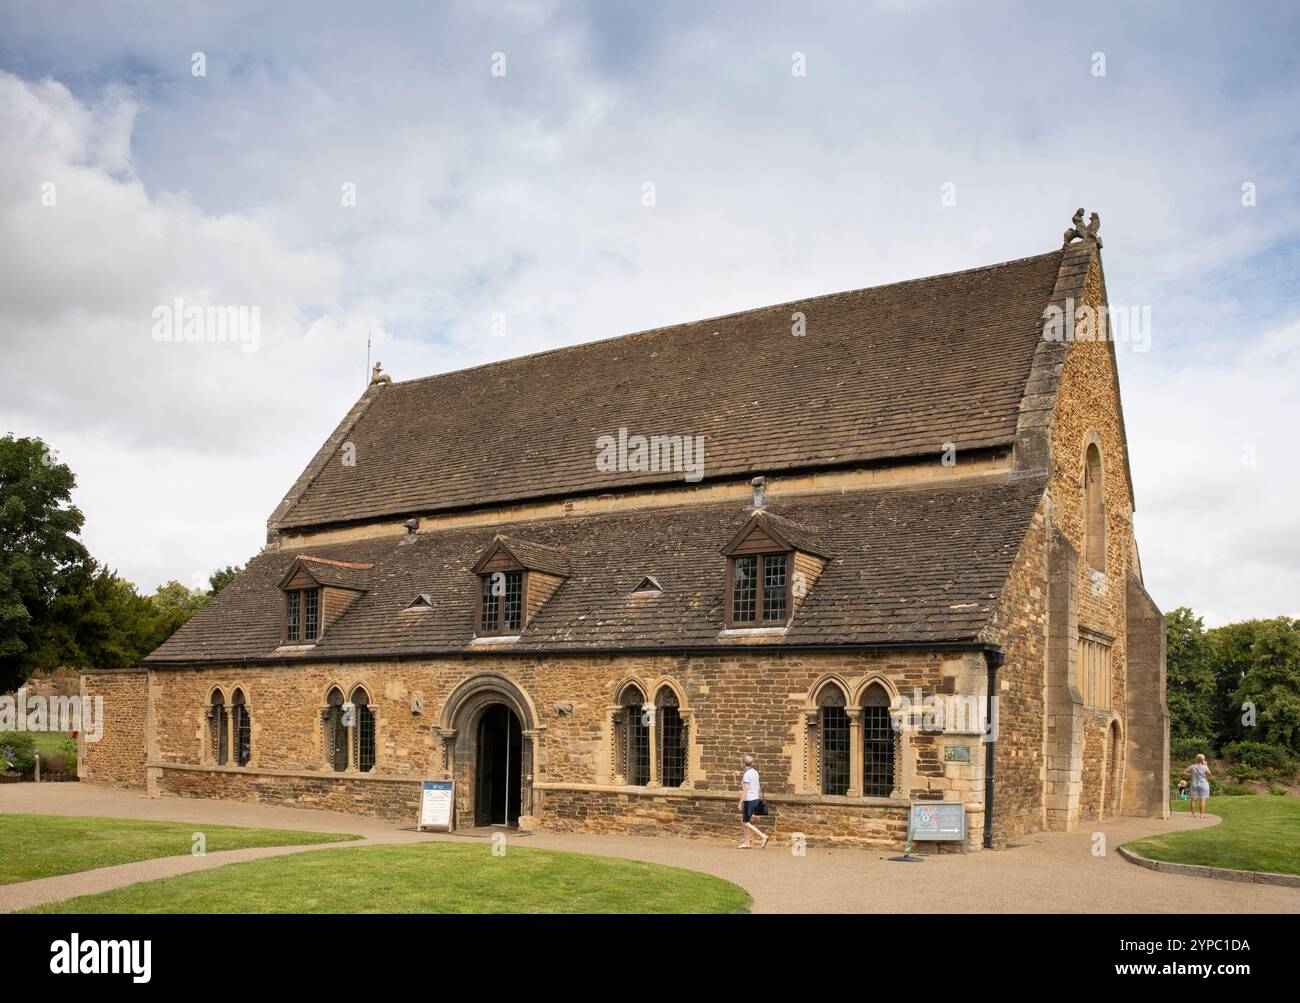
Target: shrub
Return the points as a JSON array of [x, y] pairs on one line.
[[17, 752], [1185, 750], [1256, 754], [1243, 771], [1277, 791], [1234, 790]]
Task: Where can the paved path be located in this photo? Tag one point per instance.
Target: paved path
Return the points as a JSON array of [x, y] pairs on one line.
[[1050, 872]]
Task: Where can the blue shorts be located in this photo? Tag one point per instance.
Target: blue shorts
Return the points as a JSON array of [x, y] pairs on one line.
[[748, 808]]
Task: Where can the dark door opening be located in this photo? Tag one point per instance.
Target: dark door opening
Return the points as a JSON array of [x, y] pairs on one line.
[[497, 772]]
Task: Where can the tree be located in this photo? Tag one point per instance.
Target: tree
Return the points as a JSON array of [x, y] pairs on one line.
[[1190, 691], [40, 555], [222, 577], [1260, 669], [173, 604]]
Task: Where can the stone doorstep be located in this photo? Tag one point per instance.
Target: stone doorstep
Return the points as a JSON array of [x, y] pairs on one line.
[[1218, 873]]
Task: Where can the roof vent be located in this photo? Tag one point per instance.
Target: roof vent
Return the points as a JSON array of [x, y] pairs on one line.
[[422, 601], [412, 526], [649, 586], [759, 483]]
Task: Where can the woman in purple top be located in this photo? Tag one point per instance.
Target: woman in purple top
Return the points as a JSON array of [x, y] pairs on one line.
[[1200, 791]]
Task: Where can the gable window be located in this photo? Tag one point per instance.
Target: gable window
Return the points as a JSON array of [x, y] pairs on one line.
[[242, 728], [302, 615], [502, 603], [1094, 510]]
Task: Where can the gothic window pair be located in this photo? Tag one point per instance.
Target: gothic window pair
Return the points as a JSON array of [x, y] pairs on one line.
[[348, 730], [639, 724]]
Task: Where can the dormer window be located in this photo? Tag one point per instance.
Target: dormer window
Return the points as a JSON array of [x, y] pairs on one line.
[[501, 609], [317, 592], [772, 562], [760, 589], [301, 615], [515, 579]]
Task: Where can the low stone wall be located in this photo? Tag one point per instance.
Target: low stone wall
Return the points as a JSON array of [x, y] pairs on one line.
[[395, 799], [712, 816]]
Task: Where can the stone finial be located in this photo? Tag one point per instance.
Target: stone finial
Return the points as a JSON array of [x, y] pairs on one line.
[[1078, 230], [378, 376]]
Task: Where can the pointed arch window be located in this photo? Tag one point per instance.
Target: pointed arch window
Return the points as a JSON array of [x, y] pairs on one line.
[[633, 732], [1094, 509], [878, 744], [672, 738], [218, 728], [333, 733], [836, 749], [241, 728], [363, 730]]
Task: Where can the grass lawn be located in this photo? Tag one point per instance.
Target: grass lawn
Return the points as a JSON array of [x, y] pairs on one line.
[[49, 742], [424, 878], [1258, 833], [38, 846]]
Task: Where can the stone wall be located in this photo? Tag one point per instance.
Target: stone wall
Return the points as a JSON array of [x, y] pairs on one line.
[[1022, 632], [744, 702], [118, 758]]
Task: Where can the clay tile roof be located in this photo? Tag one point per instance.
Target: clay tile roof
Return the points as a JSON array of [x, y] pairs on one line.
[[906, 566], [883, 373]]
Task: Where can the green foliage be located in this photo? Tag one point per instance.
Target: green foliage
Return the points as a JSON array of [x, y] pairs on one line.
[[1190, 688], [1243, 771], [1185, 750], [1257, 754], [1235, 790], [222, 577], [17, 752], [1277, 791], [1236, 688], [40, 555]]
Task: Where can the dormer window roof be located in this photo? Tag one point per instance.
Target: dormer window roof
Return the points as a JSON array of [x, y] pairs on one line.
[[317, 592], [648, 586], [771, 564], [515, 578]]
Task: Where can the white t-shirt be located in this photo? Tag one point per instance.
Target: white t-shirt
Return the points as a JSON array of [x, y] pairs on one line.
[[752, 792]]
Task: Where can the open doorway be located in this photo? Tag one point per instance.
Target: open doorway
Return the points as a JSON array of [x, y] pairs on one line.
[[497, 767]]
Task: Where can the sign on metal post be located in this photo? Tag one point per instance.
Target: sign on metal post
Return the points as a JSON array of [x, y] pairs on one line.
[[937, 821]]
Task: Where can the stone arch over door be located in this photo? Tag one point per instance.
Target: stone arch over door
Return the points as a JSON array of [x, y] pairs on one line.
[[458, 730]]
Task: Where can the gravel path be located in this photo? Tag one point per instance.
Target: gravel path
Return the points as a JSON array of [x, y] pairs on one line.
[[1049, 872]]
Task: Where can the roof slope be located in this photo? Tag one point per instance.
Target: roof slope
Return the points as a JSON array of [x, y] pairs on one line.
[[916, 565], [882, 373]]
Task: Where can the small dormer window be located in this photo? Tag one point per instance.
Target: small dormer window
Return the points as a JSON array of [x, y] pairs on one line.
[[760, 588], [771, 564], [302, 615], [516, 578], [502, 607]]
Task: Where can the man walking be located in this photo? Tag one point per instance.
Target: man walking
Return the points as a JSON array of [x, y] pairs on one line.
[[751, 804]]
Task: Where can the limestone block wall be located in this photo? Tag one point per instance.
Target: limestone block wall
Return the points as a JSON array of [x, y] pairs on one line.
[[118, 758]]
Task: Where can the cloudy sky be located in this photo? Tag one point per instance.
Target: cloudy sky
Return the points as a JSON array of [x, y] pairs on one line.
[[186, 149]]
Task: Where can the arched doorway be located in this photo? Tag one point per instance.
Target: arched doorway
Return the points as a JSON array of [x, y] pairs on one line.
[[498, 762]]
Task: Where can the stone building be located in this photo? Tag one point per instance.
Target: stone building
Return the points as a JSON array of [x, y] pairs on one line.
[[582, 583]]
